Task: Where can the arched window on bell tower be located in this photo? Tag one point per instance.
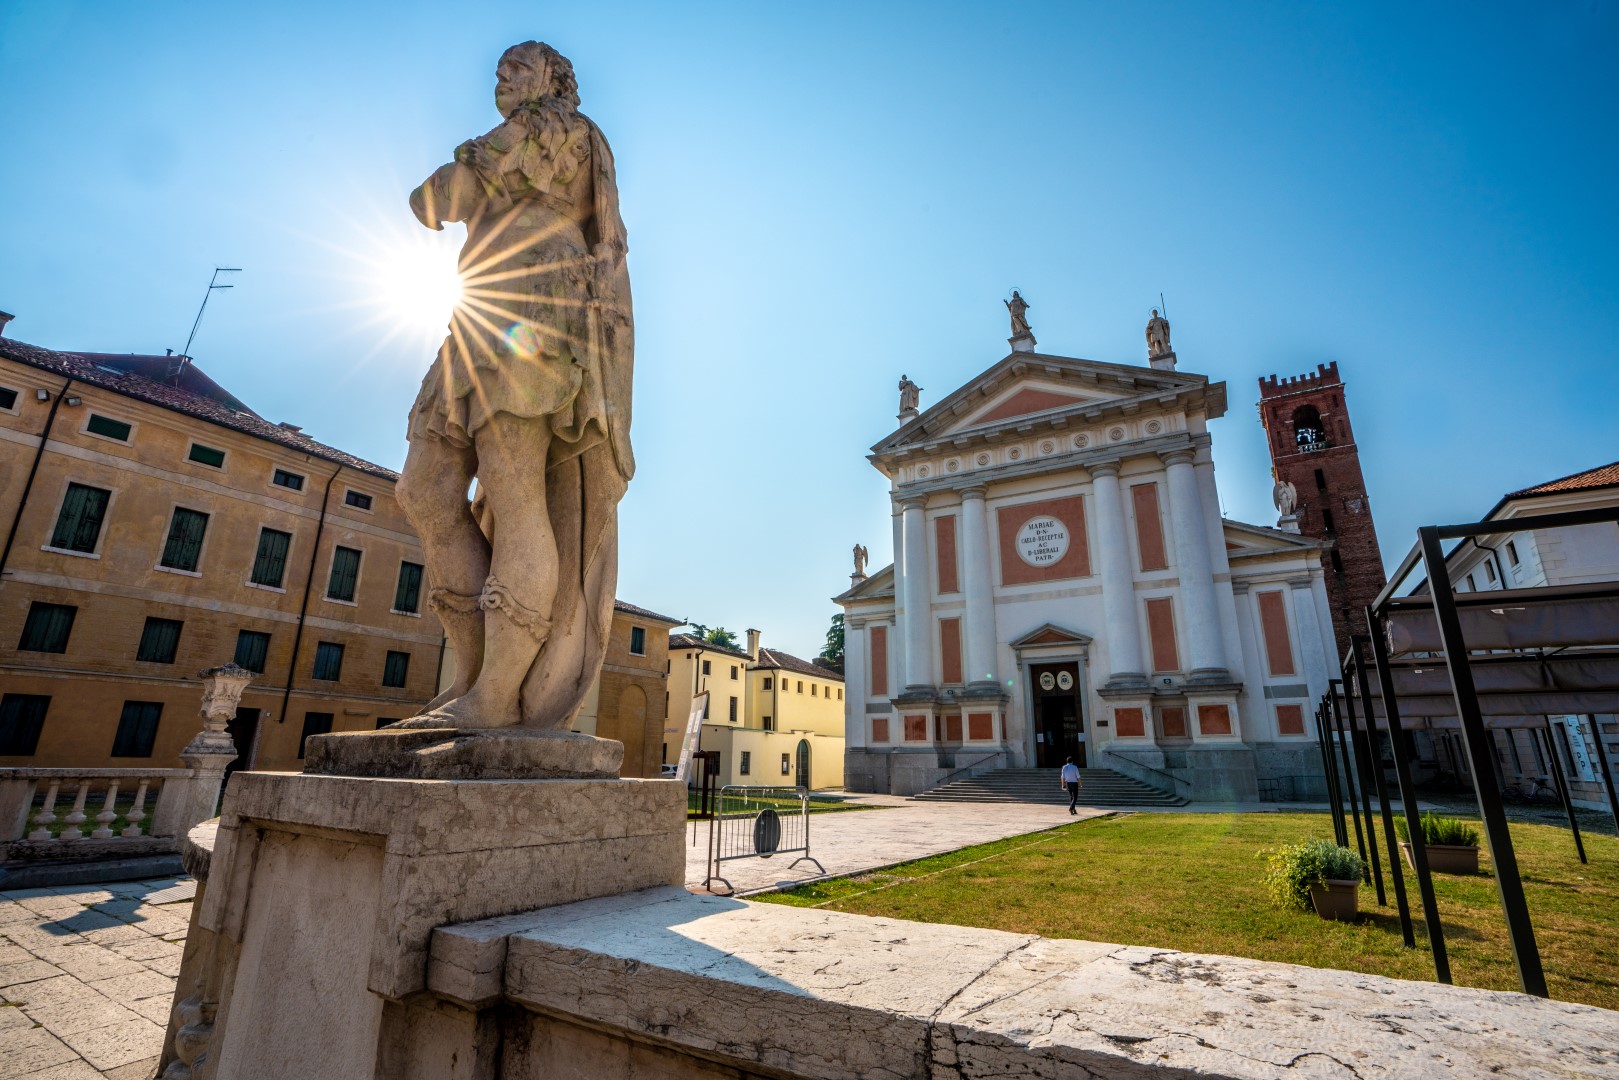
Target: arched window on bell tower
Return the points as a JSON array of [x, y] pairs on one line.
[[1309, 433]]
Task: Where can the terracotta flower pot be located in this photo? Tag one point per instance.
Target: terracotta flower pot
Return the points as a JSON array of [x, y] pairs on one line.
[[1336, 899], [1446, 858]]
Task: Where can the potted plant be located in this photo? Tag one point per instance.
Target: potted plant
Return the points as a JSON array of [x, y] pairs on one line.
[[1316, 874], [1452, 844]]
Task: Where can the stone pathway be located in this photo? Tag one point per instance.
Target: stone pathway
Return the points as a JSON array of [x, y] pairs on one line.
[[849, 842], [86, 977]]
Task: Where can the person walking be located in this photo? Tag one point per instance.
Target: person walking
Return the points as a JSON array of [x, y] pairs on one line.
[[1070, 780]]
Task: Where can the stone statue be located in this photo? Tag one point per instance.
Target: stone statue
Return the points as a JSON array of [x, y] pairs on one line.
[[1019, 308], [1286, 497], [1157, 335], [861, 555], [530, 396], [909, 394]]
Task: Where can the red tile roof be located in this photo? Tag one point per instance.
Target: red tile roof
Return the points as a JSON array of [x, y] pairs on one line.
[[643, 613], [692, 641], [1603, 476], [775, 658], [101, 370]]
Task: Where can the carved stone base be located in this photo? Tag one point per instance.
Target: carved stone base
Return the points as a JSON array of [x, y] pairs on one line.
[[464, 754]]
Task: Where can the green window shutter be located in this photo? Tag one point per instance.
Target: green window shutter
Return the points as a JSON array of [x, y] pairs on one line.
[[207, 455], [137, 729], [47, 627], [252, 648], [78, 527], [22, 716], [328, 661], [397, 669], [315, 723], [270, 564], [160, 640], [184, 547], [8, 398], [108, 427], [345, 573], [408, 596]]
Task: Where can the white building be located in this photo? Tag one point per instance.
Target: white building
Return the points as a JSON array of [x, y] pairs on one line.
[[1064, 585]]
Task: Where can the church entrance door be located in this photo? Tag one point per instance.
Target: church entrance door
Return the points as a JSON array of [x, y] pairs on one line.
[[1059, 728]]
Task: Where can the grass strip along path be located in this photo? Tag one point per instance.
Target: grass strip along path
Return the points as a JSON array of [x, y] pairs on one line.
[[1195, 882]]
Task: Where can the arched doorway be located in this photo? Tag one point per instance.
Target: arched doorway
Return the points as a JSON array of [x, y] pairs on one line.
[[803, 777]]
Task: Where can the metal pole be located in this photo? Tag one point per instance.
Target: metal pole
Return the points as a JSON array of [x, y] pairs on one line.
[[1339, 833], [1408, 796], [1602, 762], [1520, 931], [1562, 787], [1381, 780], [1368, 780], [1349, 776]]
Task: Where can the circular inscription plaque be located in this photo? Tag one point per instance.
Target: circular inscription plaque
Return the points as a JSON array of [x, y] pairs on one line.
[[1065, 680], [1046, 681], [1042, 541]]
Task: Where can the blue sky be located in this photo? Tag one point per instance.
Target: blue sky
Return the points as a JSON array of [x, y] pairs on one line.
[[822, 197]]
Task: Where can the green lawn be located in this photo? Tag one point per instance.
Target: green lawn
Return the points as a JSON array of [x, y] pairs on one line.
[[1194, 882]]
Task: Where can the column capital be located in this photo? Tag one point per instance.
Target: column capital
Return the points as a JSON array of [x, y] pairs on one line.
[[910, 502], [1177, 457], [973, 491], [1299, 583], [1239, 587], [1106, 468]]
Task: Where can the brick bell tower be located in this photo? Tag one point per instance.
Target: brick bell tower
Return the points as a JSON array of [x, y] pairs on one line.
[[1313, 447]]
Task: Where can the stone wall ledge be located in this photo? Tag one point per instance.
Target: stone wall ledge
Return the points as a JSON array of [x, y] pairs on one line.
[[783, 991]]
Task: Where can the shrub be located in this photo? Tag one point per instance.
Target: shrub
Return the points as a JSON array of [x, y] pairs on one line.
[[1294, 868], [1440, 830]]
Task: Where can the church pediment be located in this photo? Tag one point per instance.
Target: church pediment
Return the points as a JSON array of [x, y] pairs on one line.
[[1027, 401], [1246, 541], [879, 586], [1051, 634]]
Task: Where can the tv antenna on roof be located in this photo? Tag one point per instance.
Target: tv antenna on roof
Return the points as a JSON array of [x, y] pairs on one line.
[[213, 283]]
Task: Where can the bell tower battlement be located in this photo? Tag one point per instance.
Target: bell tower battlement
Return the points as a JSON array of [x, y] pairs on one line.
[[1312, 446]]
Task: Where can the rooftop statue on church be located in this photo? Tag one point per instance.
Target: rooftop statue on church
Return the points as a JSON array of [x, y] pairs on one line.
[[861, 556], [909, 395], [1158, 335], [1022, 339]]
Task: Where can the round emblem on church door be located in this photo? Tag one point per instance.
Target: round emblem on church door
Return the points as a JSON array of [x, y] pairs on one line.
[[1042, 541], [1065, 680], [1046, 681]]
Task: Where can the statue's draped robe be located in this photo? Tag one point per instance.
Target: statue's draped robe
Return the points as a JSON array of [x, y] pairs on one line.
[[546, 331]]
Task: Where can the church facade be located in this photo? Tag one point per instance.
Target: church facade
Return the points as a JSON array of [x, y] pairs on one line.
[[1064, 586]]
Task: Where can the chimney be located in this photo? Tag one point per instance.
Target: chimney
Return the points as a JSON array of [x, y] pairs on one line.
[[753, 645], [5, 317]]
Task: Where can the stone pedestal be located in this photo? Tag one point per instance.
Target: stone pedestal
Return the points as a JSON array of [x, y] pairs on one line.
[[325, 890]]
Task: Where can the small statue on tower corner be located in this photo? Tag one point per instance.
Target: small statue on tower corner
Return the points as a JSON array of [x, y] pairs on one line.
[[861, 555], [909, 394], [1019, 308], [1157, 336]]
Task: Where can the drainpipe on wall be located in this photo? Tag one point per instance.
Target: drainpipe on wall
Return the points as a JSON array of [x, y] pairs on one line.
[[303, 611], [39, 452]]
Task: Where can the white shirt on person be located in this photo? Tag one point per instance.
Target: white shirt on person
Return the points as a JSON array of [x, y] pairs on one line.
[[1070, 773]]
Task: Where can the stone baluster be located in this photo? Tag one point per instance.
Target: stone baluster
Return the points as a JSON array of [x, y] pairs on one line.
[[47, 814], [1203, 636], [1118, 581], [982, 670], [109, 811], [137, 812], [76, 817], [918, 611]]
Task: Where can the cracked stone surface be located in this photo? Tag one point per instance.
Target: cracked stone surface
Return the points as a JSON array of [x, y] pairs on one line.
[[825, 994], [86, 978]]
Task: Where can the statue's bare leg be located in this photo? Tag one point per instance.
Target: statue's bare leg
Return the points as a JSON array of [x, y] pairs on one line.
[[521, 586], [433, 492]]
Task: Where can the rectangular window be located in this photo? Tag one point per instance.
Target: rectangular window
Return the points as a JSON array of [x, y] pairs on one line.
[[840, 693], [206, 455], [1489, 572], [767, 682], [733, 671], [252, 648], [638, 644], [733, 710], [1149, 527], [1472, 586], [137, 729], [184, 546], [769, 722], [283, 478], [786, 764], [944, 553], [384, 721], [396, 668], [315, 723], [357, 499], [950, 650], [22, 717], [1512, 553], [270, 563], [408, 594], [1273, 620], [8, 398], [160, 640], [78, 526], [879, 730], [800, 686], [747, 762], [345, 574], [328, 661], [632, 649], [47, 627], [1290, 720], [813, 688], [1161, 631], [108, 428], [879, 661]]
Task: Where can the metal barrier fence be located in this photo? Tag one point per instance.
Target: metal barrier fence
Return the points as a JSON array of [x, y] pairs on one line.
[[756, 823]]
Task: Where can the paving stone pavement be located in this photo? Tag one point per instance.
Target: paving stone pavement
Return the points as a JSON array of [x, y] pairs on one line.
[[848, 842], [86, 977]]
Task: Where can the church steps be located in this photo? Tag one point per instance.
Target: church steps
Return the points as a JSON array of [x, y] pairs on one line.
[[1099, 787]]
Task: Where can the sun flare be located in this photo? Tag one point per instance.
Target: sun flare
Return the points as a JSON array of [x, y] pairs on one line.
[[417, 283]]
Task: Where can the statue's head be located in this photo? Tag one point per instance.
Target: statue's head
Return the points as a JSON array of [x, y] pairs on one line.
[[533, 71], [1155, 313]]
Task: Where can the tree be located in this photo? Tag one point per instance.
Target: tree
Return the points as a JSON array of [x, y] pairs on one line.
[[717, 636], [832, 652]]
